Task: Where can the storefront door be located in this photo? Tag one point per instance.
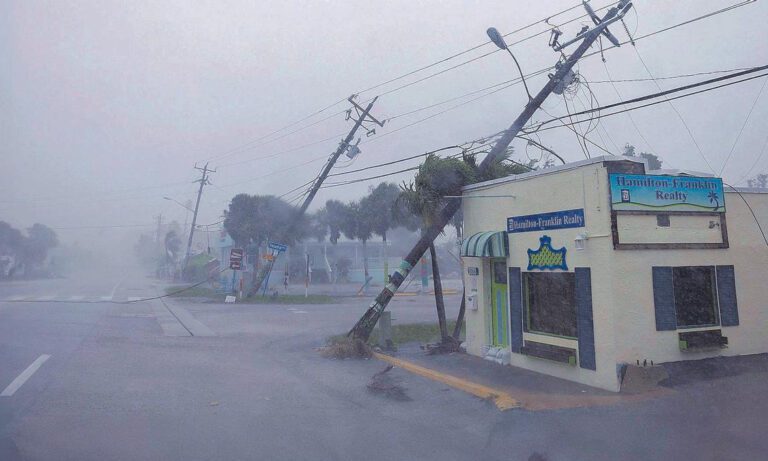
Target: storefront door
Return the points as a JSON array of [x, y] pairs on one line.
[[499, 311]]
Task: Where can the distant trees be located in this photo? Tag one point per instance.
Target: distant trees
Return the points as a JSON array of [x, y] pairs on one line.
[[27, 252], [654, 162], [256, 218], [759, 182]]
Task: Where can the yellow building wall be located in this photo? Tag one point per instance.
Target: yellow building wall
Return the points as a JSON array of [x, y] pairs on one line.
[[622, 292]]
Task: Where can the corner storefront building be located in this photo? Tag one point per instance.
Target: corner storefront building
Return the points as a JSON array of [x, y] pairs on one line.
[[577, 270]]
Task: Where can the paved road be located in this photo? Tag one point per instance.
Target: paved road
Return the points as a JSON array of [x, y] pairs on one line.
[[172, 380]]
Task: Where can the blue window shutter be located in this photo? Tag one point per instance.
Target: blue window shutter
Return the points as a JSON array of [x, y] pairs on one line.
[[584, 318], [515, 309], [726, 296], [664, 299]]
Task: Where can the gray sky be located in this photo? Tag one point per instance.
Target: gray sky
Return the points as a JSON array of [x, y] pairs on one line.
[[105, 106]]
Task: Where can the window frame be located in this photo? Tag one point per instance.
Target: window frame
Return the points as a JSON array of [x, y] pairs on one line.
[[527, 305]]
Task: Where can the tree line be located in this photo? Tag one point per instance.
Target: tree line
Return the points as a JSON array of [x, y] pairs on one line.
[[25, 254]]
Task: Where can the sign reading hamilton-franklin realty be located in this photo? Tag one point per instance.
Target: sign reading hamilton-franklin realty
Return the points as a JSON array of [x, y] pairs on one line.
[[545, 221], [666, 193]]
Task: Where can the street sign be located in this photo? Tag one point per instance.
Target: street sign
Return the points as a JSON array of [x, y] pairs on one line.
[[277, 246], [236, 258]]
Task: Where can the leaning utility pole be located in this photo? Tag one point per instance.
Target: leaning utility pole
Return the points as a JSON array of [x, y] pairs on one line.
[[203, 181], [361, 116], [563, 72]]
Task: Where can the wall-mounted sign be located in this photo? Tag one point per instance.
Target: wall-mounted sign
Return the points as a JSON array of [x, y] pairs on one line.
[[546, 221], [473, 271], [546, 257], [666, 193]]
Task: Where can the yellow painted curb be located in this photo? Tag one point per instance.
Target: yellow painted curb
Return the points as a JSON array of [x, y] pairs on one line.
[[501, 399]]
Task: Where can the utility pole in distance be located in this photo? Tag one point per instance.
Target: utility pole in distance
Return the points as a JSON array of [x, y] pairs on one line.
[[203, 181], [363, 328], [159, 227], [361, 116]]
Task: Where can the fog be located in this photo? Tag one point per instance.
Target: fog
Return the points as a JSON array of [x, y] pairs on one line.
[[105, 107]]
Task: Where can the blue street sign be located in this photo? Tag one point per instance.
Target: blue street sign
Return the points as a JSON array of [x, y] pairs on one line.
[[277, 246]]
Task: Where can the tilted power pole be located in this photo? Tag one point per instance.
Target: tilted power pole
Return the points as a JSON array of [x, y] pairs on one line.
[[361, 116], [203, 181], [364, 326]]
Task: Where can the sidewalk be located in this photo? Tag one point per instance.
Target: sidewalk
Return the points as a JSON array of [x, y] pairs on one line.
[[533, 391]]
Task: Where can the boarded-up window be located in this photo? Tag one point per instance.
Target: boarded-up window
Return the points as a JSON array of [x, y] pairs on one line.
[[695, 296], [550, 303]]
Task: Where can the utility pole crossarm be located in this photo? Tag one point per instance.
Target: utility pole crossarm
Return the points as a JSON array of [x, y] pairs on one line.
[[363, 328]]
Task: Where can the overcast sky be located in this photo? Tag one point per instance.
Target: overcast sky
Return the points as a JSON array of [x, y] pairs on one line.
[[105, 106]]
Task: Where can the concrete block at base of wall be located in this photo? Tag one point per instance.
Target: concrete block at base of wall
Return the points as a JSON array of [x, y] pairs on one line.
[[641, 379]]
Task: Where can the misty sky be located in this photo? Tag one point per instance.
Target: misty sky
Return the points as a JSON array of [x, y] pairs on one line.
[[105, 106]]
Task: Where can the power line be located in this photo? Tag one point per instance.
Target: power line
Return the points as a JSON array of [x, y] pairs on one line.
[[461, 53], [292, 124], [504, 85], [293, 149], [743, 125], [594, 110], [679, 115], [407, 74], [671, 91], [655, 102], [757, 160]]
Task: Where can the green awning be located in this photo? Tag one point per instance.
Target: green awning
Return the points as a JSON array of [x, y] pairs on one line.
[[491, 244]]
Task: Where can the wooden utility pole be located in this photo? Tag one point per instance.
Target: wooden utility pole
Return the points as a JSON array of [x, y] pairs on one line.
[[203, 181], [361, 116], [364, 326]]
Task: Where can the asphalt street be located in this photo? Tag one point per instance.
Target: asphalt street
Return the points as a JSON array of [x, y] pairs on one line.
[[174, 380]]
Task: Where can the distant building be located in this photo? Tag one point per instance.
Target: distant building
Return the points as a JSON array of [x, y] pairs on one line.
[[575, 271]]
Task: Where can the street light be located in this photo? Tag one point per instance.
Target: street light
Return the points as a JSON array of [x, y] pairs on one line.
[[498, 40]]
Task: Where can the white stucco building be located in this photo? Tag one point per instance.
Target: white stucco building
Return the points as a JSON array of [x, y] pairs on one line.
[[576, 270]]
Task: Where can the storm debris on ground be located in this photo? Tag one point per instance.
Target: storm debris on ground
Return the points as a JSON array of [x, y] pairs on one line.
[[346, 348], [384, 384]]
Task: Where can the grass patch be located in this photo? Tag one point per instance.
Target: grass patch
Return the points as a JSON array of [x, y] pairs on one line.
[[212, 295], [408, 333]]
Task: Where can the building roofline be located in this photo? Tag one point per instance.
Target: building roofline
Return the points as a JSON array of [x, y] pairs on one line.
[[553, 170], [745, 190]]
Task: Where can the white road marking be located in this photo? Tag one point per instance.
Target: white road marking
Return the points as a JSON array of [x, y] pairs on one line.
[[24, 376], [76, 298], [17, 298], [300, 312], [134, 298], [106, 298], [112, 295], [44, 298]]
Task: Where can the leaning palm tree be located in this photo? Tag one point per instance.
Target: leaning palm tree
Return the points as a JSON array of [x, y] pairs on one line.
[[425, 197]]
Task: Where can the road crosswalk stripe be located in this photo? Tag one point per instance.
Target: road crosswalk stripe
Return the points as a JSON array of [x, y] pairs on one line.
[[76, 298]]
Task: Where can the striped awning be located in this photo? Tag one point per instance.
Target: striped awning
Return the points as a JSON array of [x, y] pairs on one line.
[[491, 244]]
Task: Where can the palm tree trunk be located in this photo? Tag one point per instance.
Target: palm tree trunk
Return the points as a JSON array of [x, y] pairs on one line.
[[439, 304], [460, 318]]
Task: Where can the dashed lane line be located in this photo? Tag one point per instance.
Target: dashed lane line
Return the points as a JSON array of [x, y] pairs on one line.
[[24, 376]]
